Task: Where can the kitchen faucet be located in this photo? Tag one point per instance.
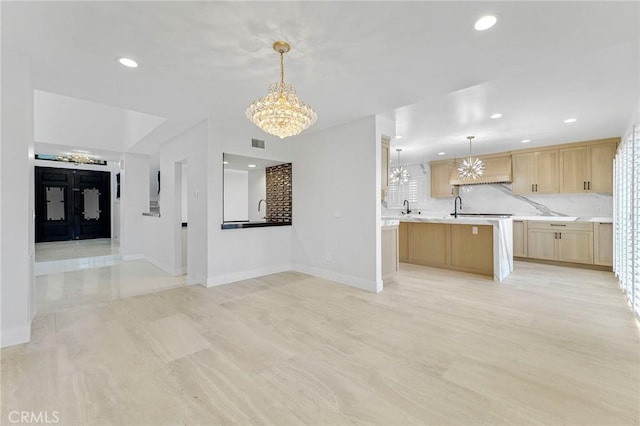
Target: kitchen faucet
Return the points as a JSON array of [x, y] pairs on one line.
[[406, 203], [260, 202], [455, 206]]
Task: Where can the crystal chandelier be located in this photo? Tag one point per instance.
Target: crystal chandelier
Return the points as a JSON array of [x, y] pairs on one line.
[[281, 113], [399, 175], [470, 168]]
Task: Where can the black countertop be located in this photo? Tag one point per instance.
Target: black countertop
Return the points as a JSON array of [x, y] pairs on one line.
[[260, 224]]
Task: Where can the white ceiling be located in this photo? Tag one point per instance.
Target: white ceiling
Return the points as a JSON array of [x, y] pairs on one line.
[[420, 63]]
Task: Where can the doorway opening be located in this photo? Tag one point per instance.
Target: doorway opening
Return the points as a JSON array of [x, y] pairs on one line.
[[72, 204]]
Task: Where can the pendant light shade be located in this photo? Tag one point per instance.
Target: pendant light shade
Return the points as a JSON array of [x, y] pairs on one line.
[[470, 168], [399, 175]]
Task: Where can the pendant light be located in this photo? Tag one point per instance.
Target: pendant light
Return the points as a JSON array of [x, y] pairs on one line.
[[281, 113], [399, 175], [470, 168]]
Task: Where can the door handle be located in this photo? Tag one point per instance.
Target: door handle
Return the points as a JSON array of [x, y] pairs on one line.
[[560, 235], [533, 188], [555, 235], [555, 224], [589, 185], [536, 187], [584, 185]]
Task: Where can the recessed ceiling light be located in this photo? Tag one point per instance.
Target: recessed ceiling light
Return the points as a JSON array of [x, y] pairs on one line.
[[399, 137], [525, 140], [570, 120], [485, 22], [442, 153], [496, 115], [225, 162], [128, 62], [80, 150], [251, 165]]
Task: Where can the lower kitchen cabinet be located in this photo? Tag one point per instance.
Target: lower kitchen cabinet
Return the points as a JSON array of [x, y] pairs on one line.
[[519, 238], [603, 244], [467, 248], [403, 244], [427, 244], [560, 241], [472, 248]]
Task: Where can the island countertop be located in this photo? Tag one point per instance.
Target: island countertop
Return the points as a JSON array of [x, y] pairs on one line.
[[502, 236]]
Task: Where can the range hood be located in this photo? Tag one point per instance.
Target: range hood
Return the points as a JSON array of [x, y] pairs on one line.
[[497, 169]]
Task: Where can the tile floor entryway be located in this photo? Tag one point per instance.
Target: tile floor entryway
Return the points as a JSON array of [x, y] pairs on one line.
[[550, 345]]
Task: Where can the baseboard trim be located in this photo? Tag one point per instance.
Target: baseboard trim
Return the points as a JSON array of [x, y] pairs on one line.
[[196, 280], [217, 280], [15, 336], [349, 280]]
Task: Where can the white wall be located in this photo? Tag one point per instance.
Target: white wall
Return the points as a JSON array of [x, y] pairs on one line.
[[164, 234], [17, 200], [236, 195], [69, 121], [134, 200], [237, 254], [257, 192], [335, 226]]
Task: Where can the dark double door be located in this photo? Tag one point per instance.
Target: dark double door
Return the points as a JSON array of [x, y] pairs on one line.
[[72, 204]]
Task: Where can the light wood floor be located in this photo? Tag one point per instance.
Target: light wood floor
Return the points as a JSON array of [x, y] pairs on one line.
[[550, 345]]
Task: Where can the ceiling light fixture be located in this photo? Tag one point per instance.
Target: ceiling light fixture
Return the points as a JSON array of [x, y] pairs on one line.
[[525, 140], [399, 137], [128, 62], [496, 115], [470, 168], [251, 165], [399, 175], [442, 153], [281, 113], [485, 22], [225, 162], [570, 120]]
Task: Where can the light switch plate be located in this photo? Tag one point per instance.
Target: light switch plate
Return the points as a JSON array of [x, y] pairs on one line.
[[474, 230]]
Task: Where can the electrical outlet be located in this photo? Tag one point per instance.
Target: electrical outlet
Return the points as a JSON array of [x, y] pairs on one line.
[[474, 230], [327, 257]]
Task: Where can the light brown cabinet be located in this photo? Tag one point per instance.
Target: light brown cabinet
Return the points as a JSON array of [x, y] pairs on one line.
[[385, 146], [603, 244], [587, 168], [560, 241], [519, 238], [467, 248], [535, 172], [440, 174], [403, 245]]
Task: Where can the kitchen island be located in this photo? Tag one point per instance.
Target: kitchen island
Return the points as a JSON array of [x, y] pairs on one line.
[[481, 245]]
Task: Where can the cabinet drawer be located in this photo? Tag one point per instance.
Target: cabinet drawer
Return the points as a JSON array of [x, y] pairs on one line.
[[560, 226]]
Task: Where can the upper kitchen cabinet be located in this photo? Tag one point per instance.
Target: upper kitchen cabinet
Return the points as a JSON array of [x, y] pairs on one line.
[[440, 173], [588, 167], [535, 172], [385, 146]]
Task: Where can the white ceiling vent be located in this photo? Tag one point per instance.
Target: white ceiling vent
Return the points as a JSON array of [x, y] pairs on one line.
[[257, 143]]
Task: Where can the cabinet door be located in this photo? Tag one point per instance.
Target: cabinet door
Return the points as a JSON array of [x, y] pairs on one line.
[[603, 244], [546, 172], [601, 167], [524, 173], [519, 239], [541, 244], [573, 169], [575, 246], [403, 249], [472, 248], [440, 187], [428, 244], [384, 166]]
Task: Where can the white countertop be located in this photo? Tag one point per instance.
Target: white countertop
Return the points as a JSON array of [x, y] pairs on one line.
[[447, 219], [601, 219]]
